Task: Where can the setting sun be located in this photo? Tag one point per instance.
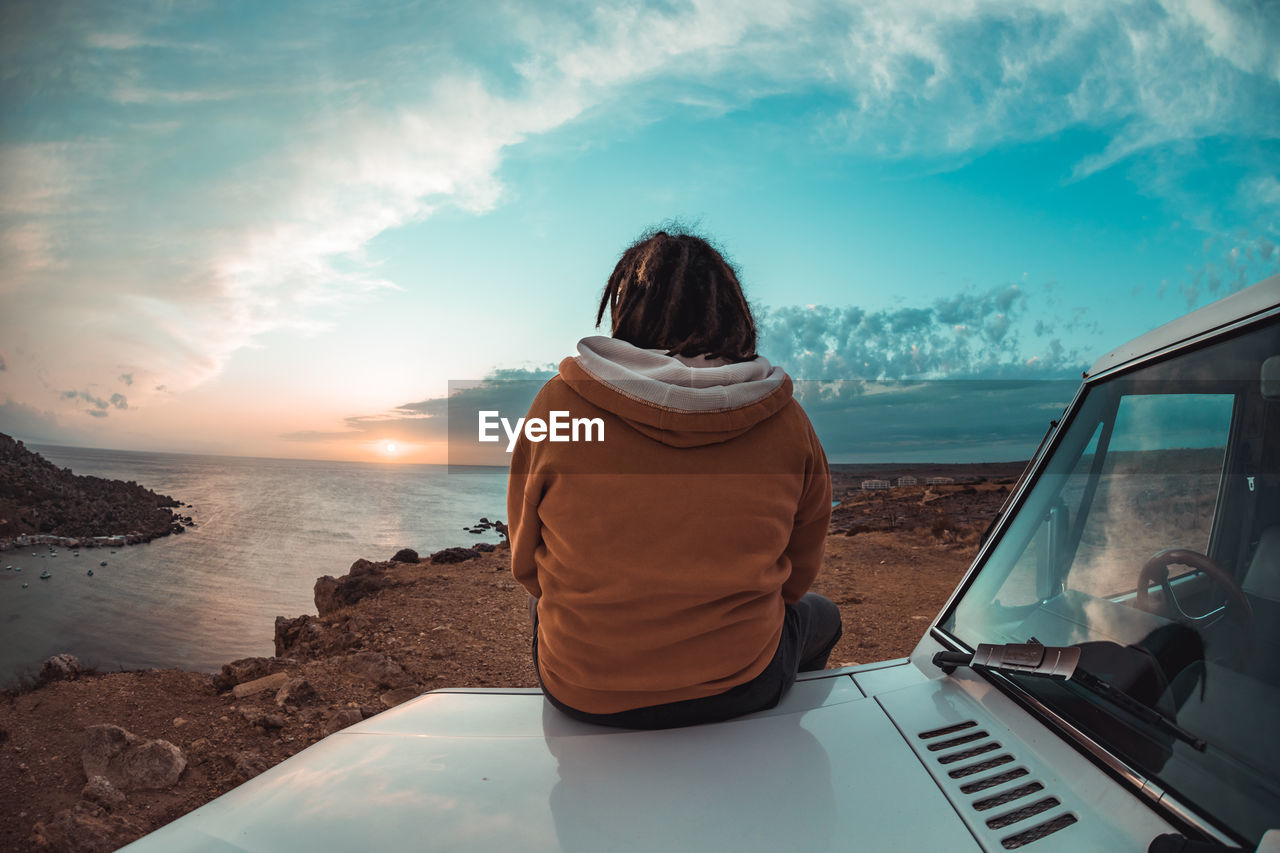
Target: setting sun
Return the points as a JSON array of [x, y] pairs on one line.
[[389, 448]]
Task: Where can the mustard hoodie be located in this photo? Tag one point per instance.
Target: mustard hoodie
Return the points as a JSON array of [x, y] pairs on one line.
[[662, 555]]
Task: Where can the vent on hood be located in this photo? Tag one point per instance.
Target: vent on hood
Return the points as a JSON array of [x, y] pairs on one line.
[[999, 789]]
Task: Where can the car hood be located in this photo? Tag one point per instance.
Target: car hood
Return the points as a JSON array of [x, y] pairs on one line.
[[828, 769]]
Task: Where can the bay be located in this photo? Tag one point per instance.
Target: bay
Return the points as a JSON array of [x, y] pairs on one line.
[[265, 530]]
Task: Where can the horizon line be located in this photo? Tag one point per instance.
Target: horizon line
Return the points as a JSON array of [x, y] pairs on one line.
[[447, 465]]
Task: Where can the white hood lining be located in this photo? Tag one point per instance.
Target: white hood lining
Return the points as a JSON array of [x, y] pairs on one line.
[[678, 382]]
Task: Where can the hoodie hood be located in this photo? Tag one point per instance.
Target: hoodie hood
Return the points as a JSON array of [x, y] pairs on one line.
[[679, 401]]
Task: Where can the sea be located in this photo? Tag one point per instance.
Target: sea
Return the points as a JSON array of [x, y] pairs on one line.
[[265, 530]]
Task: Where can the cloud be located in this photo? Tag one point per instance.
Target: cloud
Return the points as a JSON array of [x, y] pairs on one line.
[[864, 421], [116, 401], [87, 397], [437, 419], [171, 264], [950, 382], [28, 247], [118, 40], [969, 335], [962, 78], [128, 94], [1231, 264], [32, 424], [41, 177], [939, 421]]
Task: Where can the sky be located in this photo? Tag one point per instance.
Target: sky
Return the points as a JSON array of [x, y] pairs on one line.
[[295, 229]]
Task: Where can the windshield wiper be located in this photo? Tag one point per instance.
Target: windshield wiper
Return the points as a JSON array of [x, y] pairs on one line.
[[1062, 663]]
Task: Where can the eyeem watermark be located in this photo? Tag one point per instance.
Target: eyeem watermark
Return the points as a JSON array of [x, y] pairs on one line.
[[560, 427]]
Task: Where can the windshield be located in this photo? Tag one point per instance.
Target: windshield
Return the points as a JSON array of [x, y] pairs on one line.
[[1151, 539]]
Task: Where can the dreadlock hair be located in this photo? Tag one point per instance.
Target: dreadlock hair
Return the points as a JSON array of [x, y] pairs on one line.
[[674, 291]]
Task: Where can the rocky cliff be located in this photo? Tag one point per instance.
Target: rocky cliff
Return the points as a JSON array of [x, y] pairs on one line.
[[41, 502]]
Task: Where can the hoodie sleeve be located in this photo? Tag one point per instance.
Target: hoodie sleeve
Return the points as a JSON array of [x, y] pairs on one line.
[[813, 515], [522, 522], [524, 493]]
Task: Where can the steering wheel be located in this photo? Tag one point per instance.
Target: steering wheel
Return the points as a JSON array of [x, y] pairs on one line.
[[1156, 570]]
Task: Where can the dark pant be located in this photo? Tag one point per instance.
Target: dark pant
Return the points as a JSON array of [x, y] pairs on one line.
[[809, 633]]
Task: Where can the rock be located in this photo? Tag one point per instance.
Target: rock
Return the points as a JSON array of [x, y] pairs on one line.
[[311, 637], [405, 555], [295, 691], [377, 668], [44, 499], [295, 636], [246, 765], [335, 593], [157, 764], [325, 594], [483, 547], [262, 720], [247, 669], [400, 695], [62, 667], [339, 718], [308, 637], [84, 828], [100, 790], [362, 567], [258, 685], [129, 762], [454, 555]]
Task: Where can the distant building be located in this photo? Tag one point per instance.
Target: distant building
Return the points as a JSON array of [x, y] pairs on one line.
[[907, 481], [940, 481], [869, 485]]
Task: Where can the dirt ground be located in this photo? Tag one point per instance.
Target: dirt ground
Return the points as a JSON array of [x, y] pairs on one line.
[[892, 559]]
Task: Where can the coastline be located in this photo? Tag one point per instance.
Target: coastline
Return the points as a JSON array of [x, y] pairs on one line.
[[71, 542], [42, 504], [390, 630]]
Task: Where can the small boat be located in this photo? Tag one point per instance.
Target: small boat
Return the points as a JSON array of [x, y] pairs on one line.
[[17, 568], [103, 563], [91, 573], [25, 585], [44, 576]]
